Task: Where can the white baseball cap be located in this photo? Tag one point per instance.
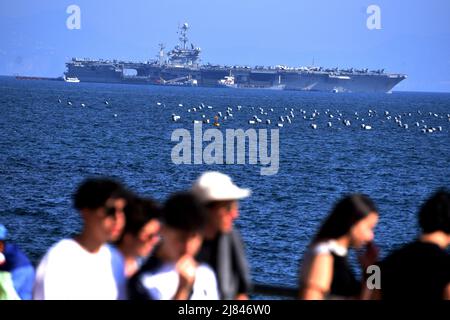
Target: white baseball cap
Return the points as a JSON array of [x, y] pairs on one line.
[[216, 186]]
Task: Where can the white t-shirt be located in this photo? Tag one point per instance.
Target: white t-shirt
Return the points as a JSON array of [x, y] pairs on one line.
[[163, 284], [69, 272]]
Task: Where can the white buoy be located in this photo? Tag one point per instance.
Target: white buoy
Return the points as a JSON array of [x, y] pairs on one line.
[[83, 105], [115, 115], [180, 104], [314, 126], [158, 103], [69, 103]]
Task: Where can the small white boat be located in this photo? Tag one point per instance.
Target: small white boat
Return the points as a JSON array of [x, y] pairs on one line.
[[72, 80]]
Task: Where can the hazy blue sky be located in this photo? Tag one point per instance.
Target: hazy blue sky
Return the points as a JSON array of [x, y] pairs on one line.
[[414, 39]]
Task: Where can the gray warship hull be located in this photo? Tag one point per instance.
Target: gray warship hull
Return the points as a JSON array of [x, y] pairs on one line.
[[106, 72]]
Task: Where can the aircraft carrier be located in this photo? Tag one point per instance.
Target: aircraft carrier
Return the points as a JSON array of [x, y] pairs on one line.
[[181, 67]]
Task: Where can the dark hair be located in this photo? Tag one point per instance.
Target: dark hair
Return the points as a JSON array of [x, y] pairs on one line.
[[346, 213], [138, 212], [94, 192], [434, 215], [212, 205], [183, 211]]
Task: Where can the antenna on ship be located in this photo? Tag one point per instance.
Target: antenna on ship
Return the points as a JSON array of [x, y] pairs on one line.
[[161, 53], [183, 34]]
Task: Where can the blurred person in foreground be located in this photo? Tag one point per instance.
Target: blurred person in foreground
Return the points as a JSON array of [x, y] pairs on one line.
[[326, 273], [16, 271], [421, 270], [223, 248], [141, 233], [85, 268], [171, 272]]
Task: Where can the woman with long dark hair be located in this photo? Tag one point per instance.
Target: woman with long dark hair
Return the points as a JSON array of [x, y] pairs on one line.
[[326, 273]]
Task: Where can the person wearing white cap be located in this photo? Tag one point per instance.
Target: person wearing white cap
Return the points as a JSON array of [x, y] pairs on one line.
[[222, 247]]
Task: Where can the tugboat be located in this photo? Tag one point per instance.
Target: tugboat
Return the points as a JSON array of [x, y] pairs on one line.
[[227, 82]]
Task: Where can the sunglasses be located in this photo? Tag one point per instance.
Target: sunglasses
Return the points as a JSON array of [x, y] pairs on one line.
[[149, 237], [111, 211]]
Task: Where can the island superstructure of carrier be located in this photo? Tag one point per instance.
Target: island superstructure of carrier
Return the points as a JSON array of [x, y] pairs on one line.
[[181, 67]]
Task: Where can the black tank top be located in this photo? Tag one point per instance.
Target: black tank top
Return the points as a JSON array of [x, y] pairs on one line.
[[344, 283]]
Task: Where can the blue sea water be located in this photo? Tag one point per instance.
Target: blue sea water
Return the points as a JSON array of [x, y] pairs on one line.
[[47, 148]]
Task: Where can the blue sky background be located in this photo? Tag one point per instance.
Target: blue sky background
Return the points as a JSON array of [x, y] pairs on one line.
[[414, 39]]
